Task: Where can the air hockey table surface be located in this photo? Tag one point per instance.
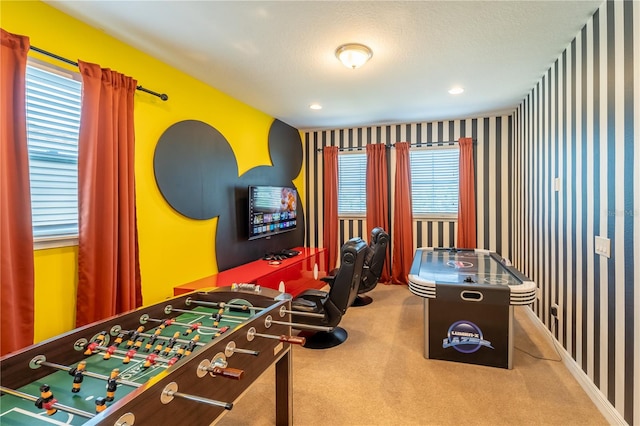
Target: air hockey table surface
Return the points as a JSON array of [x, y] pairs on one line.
[[468, 297]]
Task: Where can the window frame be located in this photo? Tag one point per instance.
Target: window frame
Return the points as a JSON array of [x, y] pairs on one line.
[[352, 214], [435, 216], [61, 240]]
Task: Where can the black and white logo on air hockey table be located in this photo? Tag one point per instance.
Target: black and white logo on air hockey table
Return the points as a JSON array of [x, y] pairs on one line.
[[465, 337]]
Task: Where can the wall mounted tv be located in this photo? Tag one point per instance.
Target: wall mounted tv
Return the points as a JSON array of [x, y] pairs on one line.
[[272, 210]]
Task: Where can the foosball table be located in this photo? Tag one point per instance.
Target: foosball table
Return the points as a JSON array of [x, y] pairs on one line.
[[183, 361]]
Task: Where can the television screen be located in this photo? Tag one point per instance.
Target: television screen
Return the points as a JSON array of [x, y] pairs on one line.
[[272, 210]]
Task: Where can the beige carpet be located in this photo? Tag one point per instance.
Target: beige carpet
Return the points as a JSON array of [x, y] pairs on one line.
[[380, 377]]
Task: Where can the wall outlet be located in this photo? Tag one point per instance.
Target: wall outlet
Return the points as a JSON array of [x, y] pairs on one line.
[[556, 184], [603, 246]]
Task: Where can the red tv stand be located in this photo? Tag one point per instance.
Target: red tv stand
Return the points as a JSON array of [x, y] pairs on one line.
[[296, 272]]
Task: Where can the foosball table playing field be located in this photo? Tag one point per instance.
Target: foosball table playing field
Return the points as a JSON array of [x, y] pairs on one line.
[[183, 361]]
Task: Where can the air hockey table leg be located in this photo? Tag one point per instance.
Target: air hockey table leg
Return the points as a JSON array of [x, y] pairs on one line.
[[511, 344], [425, 309]]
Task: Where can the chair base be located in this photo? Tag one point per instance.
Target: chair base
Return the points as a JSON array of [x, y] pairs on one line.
[[324, 339], [362, 301]]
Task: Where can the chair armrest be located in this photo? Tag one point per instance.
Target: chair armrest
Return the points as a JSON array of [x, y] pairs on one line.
[[312, 294], [310, 301], [330, 277]]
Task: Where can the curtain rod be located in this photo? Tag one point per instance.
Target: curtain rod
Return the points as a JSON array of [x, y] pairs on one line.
[[162, 96], [360, 148], [432, 143]]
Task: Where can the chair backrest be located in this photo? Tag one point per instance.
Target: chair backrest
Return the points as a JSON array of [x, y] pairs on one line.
[[374, 259], [347, 280]]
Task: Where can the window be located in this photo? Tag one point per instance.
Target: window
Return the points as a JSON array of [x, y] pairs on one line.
[[352, 191], [434, 181], [53, 124]]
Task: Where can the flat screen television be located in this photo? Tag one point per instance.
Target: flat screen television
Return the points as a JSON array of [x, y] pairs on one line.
[[272, 210]]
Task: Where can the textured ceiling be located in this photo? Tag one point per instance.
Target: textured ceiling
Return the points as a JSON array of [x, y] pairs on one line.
[[278, 56]]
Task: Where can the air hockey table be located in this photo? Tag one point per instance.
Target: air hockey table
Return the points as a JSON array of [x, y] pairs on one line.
[[468, 297]]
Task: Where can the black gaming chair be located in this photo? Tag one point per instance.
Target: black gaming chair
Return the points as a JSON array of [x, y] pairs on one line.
[[317, 313], [373, 263]]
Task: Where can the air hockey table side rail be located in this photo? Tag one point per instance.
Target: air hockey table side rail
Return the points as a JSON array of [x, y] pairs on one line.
[[524, 293]]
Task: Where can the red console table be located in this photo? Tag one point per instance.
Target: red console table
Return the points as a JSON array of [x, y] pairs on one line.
[[296, 272]]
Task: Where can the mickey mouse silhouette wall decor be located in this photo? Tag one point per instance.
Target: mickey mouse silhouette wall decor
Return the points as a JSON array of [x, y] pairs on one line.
[[197, 173]]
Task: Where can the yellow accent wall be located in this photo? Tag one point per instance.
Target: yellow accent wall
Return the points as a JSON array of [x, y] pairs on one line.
[[173, 249]]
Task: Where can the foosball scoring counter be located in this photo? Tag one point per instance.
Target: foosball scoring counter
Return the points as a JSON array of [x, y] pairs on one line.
[[188, 359]]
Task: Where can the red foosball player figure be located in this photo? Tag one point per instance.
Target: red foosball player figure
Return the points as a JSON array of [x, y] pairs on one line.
[[90, 348], [112, 384], [191, 329], [127, 358], [149, 360], [221, 331], [46, 400], [110, 351], [78, 376], [101, 404]]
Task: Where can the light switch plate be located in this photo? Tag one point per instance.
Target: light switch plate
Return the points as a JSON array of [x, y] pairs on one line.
[[603, 246]]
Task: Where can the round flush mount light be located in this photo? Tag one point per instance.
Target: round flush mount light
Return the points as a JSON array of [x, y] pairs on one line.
[[456, 90], [315, 106], [353, 55]]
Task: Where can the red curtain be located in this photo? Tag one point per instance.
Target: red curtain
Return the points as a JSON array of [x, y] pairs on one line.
[[378, 196], [467, 202], [330, 231], [403, 217], [108, 266], [16, 231]]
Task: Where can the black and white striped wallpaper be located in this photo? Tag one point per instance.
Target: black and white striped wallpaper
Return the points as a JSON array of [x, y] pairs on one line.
[[493, 164], [580, 124], [578, 128]]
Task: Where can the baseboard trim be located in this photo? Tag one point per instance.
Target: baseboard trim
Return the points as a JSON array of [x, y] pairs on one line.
[[602, 403]]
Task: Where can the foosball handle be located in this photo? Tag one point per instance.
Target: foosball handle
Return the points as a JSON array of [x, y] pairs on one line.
[[294, 340], [229, 373]]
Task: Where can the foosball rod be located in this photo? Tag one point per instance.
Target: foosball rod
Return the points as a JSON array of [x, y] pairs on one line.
[[284, 310], [39, 361], [145, 318], [167, 338], [251, 333], [230, 318], [131, 353], [171, 390], [268, 321], [57, 405], [222, 305]]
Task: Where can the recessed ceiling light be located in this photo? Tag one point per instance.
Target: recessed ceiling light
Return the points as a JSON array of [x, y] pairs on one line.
[[456, 90], [315, 106]]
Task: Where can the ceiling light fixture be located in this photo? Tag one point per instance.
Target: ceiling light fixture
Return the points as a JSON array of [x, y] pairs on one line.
[[315, 106], [353, 55], [456, 90]]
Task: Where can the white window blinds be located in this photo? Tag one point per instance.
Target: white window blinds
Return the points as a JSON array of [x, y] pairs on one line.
[[434, 181], [352, 177], [53, 123]]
